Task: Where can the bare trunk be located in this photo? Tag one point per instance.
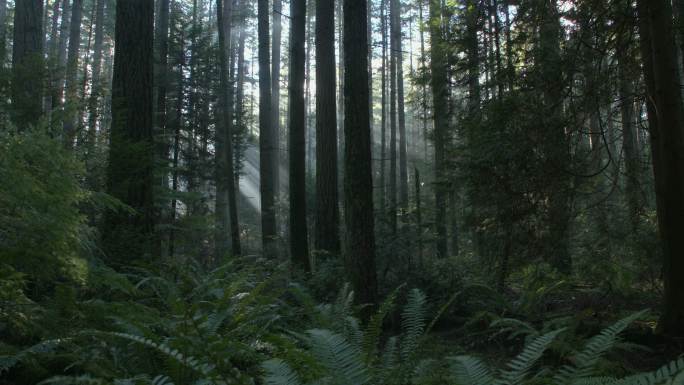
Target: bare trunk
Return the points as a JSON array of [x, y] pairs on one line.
[[327, 238], [358, 182], [267, 139]]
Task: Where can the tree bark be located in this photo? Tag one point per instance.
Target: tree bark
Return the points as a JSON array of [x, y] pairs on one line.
[[626, 74], [403, 165], [267, 139], [71, 84], [27, 63], [275, 91], [96, 86], [226, 203], [438, 82], [327, 236], [668, 152], [299, 249], [358, 181], [392, 212], [131, 153], [383, 109], [3, 31]]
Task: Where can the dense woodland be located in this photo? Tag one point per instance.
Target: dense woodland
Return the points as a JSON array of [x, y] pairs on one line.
[[343, 192]]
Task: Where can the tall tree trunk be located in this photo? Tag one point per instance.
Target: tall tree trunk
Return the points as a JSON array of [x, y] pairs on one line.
[[84, 82], [27, 63], [419, 218], [58, 72], [267, 139], [177, 125], [369, 33], [299, 246], [275, 92], [162, 41], [358, 181], [626, 72], [327, 236], [226, 201], [3, 31], [96, 86], [424, 102], [383, 109], [403, 166], [340, 83], [555, 139], [392, 212], [71, 85], [54, 30], [130, 172], [668, 152], [438, 81]]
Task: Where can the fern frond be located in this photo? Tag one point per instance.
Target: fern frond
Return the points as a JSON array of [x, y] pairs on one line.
[[389, 356], [188, 361], [413, 322], [673, 371], [514, 327], [353, 332], [585, 361], [468, 370], [47, 346], [344, 303], [72, 380], [519, 366], [441, 311], [278, 372], [371, 337], [342, 359]]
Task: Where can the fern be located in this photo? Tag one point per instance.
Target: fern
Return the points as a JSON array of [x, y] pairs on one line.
[[278, 372], [371, 337], [467, 370], [73, 380], [585, 361], [519, 366], [339, 357], [8, 361], [190, 362], [413, 322]]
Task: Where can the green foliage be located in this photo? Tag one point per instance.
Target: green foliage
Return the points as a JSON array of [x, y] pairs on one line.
[[42, 229]]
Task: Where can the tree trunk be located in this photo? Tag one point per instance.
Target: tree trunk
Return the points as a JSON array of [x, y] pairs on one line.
[[383, 109], [403, 166], [162, 41], [668, 152], [71, 85], [419, 219], [177, 125], [626, 70], [392, 212], [96, 86], [358, 181], [267, 139], [226, 202], [555, 142], [27, 63], [275, 92], [438, 82], [58, 71], [327, 236], [299, 249], [54, 30], [3, 31], [130, 171]]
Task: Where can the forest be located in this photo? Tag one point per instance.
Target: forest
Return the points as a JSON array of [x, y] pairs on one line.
[[342, 192]]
